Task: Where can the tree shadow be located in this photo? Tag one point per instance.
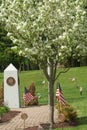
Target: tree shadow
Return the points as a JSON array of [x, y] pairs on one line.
[[82, 120]]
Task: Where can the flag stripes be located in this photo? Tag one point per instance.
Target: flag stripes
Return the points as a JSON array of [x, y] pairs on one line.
[[27, 97], [59, 95]]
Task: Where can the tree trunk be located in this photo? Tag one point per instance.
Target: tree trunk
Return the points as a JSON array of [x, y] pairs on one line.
[[51, 103]]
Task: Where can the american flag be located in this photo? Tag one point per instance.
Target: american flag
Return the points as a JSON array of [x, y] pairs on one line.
[[27, 96], [59, 95]]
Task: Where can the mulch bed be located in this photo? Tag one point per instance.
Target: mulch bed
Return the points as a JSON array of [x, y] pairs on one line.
[[8, 116], [11, 114], [55, 125]]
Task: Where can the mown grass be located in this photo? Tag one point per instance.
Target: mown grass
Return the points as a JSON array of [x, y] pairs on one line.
[[70, 90]]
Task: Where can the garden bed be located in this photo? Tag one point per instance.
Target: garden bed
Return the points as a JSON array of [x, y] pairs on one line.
[[11, 114], [46, 126], [8, 116]]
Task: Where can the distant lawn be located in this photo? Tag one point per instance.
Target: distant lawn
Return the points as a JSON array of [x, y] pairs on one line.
[[70, 89]]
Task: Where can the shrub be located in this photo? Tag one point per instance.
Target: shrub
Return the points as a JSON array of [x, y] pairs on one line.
[[4, 109], [70, 114]]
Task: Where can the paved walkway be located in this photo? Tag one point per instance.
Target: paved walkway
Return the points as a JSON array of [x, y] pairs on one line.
[[36, 115]]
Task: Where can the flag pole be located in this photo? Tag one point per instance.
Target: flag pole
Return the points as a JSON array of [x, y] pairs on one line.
[[48, 69]]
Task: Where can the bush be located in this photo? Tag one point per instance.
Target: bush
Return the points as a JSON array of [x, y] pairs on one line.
[[4, 109], [70, 115]]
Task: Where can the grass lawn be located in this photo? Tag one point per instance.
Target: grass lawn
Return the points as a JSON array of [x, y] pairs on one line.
[[70, 90]]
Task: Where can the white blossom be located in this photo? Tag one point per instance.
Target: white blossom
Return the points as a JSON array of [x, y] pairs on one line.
[[14, 47], [45, 30], [18, 27], [60, 53], [78, 54], [63, 47], [78, 47], [60, 37], [15, 40], [9, 34], [20, 52], [26, 49]]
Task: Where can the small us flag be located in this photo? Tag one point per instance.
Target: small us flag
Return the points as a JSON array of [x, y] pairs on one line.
[[59, 95], [27, 96]]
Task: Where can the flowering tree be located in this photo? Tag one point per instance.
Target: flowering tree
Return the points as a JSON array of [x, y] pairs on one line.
[[47, 31]]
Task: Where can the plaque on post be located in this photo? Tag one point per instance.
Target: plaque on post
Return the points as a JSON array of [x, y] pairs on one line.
[[11, 87]]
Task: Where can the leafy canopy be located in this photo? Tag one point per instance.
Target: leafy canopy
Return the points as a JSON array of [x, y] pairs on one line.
[[45, 29]]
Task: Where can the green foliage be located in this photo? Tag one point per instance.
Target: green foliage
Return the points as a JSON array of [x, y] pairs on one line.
[[7, 109], [6, 54], [4, 109], [4, 39]]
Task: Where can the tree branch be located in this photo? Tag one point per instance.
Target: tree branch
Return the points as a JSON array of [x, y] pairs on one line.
[[64, 71]]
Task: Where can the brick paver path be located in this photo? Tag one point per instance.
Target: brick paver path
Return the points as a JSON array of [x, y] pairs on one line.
[[36, 115]]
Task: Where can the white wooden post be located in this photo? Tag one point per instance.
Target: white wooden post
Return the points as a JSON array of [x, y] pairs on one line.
[[11, 87]]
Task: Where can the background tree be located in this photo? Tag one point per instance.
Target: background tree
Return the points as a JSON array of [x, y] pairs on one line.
[[47, 31], [5, 42], [8, 55]]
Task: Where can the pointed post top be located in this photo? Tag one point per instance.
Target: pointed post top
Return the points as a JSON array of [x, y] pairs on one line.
[[10, 67]]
